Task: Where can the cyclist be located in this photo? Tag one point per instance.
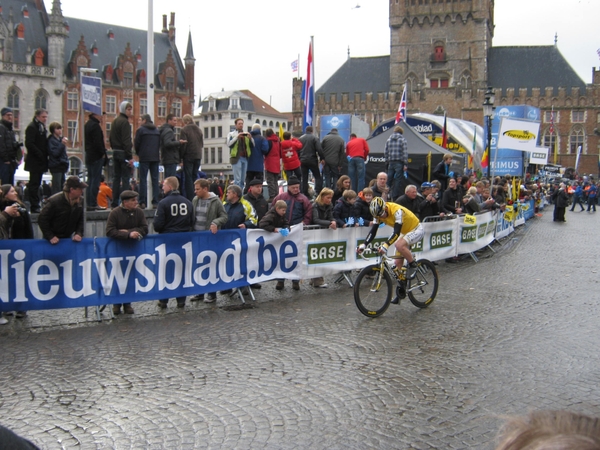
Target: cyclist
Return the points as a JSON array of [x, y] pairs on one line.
[[405, 224]]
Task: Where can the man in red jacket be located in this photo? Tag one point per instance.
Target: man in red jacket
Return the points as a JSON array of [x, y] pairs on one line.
[[357, 151]]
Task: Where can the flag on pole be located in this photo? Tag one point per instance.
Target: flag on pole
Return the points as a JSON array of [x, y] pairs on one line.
[[295, 66], [551, 130], [280, 131], [401, 114], [309, 90], [445, 134], [577, 158]]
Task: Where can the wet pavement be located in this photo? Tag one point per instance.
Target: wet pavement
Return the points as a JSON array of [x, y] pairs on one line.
[[305, 370]]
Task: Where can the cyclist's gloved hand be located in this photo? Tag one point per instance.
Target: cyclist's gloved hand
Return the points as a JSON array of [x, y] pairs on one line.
[[284, 232], [383, 248], [360, 249]]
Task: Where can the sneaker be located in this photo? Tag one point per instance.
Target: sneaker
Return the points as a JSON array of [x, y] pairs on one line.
[[279, 285], [197, 298], [162, 305], [244, 290], [21, 314], [211, 298], [3, 320], [395, 300], [9, 313], [116, 310], [256, 286], [295, 285], [411, 271], [322, 285], [226, 292], [128, 309]]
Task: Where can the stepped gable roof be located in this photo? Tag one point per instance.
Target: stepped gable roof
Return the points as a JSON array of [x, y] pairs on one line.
[[530, 67], [35, 29], [110, 49], [360, 75]]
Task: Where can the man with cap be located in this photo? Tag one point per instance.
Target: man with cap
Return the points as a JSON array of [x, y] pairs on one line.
[[174, 214], [120, 142], [299, 210], [36, 160], [428, 203], [147, 152], [255, 197], [95, 155], [126, 222], [62, 215], [10, 149]]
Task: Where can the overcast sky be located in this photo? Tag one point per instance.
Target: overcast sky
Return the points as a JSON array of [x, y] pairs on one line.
[[250, 45]]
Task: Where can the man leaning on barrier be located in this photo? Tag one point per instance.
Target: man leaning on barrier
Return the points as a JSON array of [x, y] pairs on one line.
[[62, 215], [126, 221]]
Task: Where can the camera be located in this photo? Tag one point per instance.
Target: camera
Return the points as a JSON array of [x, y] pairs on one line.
[[20, 208]]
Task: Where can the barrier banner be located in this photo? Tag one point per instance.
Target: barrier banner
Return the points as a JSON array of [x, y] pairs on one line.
[[37, 275], [519, 218], [504, 225], [528, 208], [439, 241], [327, 251], [477, 236]]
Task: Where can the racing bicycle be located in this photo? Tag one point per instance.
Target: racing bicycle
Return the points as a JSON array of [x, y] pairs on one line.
[[374, 285]]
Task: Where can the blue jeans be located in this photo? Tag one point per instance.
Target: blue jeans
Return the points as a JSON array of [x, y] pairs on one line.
[[190, 172], [170, 170], [58, 179], [356, 172], [331, 175], [122, 174], [144, 168], [239, 172], [395, 175], [7, 173], [94, 173]]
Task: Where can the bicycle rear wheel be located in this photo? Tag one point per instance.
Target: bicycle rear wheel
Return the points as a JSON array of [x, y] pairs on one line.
[[373, 291], [422, 289]]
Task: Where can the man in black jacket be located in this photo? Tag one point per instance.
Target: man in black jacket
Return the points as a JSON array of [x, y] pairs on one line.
[[62, 215], [95, 154], [36, 161], [10, 149], [310, 155], [170, 146], [147, 149], [120, 142], [175, 214]]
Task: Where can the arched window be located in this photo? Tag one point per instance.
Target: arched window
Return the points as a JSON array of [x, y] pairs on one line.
[[264, 123], [75, 166], [576, 139], [41, 99], [12, 101], [270, 123], [465, 81]]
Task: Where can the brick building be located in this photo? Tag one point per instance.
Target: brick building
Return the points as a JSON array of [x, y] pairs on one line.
[[40, 55], [442, 51]]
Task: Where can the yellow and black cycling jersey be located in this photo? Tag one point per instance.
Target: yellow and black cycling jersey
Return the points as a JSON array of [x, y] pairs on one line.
[[399, 218]]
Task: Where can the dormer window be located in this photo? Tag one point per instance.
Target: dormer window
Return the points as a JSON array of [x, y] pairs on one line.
[[110, 33], [235, 103], [128, 75], [25, 12], [212, 104]]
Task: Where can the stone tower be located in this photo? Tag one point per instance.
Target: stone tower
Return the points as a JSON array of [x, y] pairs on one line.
[[437, 44], [56, 32]]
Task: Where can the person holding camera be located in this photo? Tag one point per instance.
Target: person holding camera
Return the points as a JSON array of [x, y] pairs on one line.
[[18, 226], [10, 149], [240, 145]]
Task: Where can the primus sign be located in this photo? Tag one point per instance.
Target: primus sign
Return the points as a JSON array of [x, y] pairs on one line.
[[100, 271]]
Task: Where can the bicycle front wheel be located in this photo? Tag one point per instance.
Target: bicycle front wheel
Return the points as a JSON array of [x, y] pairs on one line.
[[422, 289], [373, 290]]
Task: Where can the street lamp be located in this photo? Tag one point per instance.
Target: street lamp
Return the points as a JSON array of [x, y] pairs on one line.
[[488, 112]]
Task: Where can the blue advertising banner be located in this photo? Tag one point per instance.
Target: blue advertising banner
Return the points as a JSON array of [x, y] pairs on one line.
[[505, 161], [37, 275], [91, 94], [340, 121]]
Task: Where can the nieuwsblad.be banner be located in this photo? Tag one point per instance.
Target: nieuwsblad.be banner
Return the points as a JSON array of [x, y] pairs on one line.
[[37, 275]]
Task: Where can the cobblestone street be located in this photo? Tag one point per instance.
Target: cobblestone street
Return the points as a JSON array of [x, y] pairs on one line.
[[305, 370]]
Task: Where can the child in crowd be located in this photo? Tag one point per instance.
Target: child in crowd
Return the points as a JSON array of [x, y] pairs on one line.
[[343, 211], [275, 219], [290, 146], [361, 207]]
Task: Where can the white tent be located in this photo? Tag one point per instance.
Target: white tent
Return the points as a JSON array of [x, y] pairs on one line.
[[22, 175]]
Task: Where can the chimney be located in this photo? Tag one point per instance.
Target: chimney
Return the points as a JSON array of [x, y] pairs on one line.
[[172, 28], [164, 28]]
